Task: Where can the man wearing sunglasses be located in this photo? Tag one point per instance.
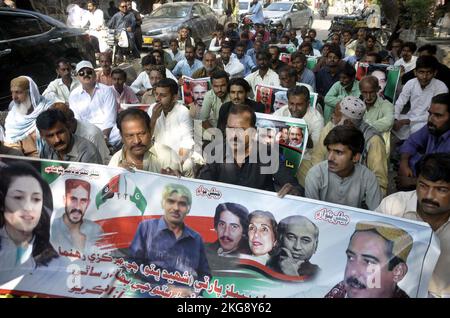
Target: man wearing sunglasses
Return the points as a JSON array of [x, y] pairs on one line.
[[92, 101]]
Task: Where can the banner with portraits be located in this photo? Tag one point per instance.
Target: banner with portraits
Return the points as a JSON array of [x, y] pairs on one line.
[[85, 230], [388, 77], [291, 134], [275, 97]]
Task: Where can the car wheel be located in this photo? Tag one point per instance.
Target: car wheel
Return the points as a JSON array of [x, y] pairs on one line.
[[310, 22], [288, 25]]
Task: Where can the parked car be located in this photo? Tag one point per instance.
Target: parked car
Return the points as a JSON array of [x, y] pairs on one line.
[[164, 22], [293, 15], [31, 42]]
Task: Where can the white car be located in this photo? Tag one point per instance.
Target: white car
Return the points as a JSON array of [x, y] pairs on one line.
[[244, 6], [292, 15]]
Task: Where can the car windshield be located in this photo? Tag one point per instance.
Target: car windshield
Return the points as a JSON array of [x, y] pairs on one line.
[[171, 12], [279, 7], [243, 5]]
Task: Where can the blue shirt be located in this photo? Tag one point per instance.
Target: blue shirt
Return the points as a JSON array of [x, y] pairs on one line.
[[309, 78], [257, 13], [422, 142], [155, 244], [183, 68], [316, 44], [248, 63], [252, 54]]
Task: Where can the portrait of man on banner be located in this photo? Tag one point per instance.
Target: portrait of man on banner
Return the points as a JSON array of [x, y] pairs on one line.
[[376, 262], [194, 90]]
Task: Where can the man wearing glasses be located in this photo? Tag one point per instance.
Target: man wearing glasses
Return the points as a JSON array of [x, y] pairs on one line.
[[93, 102]]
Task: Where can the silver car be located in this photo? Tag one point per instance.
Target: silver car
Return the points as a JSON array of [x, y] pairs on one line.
[[164, 22], [292, 15]]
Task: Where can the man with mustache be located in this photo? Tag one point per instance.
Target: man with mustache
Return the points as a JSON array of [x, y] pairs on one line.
[[298, 238], [342, 179], [432, 138], [231, 225], [376, 262], [295, 136], [61, 143], [429, 202], [198, 91], [137, 151], [72, 230], [168, 243], [210, 65]]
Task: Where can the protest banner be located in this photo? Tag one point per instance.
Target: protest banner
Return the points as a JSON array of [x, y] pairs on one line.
[[127, 249], [275, 97]]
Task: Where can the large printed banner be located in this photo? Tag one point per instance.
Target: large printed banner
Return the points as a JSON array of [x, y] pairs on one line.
[[80, 230]]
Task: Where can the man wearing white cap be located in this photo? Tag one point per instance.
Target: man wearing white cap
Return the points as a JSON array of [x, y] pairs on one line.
[[350, 112], [20, 124], [92, 101]]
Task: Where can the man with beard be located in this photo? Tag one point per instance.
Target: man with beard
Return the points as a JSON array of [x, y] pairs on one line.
[[72, 231], [275, 63], [198, 91], [231, 225], [377, 253], [295, 136], [20, 124], [341, 179], [61, 143], [304, 75], [298, 239], [210, 65], [432, 138], [429, 202], [329, 74]]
